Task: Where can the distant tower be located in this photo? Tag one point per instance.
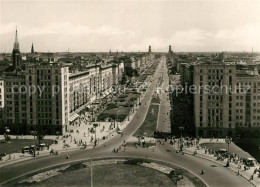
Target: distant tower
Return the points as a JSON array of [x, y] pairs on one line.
[[170, 49], [221, 57], [16, 57], [150, 49], [32, 50]]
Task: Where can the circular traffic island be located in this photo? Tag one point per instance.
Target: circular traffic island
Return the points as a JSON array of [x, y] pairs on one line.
[[113, 172]]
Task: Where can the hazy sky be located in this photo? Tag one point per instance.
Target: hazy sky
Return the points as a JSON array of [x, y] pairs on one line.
[[57, 25]]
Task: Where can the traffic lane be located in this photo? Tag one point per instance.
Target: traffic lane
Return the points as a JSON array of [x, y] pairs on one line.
[[31, 165], [214, 176]]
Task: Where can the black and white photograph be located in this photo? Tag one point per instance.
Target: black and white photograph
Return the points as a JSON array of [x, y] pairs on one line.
[[130, 93]]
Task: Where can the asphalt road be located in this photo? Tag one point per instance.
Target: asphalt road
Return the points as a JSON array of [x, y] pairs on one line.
[[163, 123], [214, 176]]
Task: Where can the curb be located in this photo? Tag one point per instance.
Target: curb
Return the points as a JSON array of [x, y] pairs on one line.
[[104, 158], [242, 175], [10, 162]]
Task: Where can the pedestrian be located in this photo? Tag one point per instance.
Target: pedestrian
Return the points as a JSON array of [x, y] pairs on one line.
[[202, 171]]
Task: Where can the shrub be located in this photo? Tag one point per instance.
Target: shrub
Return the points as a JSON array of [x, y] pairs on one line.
[[111, 106], [104, 116], [122, 96], [120, 100]]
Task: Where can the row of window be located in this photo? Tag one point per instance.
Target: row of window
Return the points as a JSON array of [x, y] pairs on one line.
[[217, 71], [240, 124]]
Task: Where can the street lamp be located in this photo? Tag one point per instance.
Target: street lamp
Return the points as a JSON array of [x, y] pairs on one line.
[[217, 132], [7, 131], [95, 126], [228, 141], [181, 129], [117, 119]]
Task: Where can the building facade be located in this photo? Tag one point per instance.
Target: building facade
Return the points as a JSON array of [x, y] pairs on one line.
[[225, 100], [44, 94], [47, 96]]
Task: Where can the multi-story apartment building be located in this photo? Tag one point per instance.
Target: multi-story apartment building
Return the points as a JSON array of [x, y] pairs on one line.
[[44, 94], [214, 107], [47, 96], [14, 110], [106, 78], [2, 99], [248, 105], [225, 99]]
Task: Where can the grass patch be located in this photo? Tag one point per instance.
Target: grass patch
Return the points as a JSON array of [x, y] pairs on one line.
[[112, 113], [122, 96], [156, 100], [110, 175], [74, 167], [16, 145], [150, 122], [124, 105], [111, 106]]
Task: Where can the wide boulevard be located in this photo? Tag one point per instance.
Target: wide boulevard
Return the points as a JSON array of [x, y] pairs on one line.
[[214, 176]]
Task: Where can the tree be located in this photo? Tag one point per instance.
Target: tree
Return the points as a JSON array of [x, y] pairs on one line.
[[130, 72]]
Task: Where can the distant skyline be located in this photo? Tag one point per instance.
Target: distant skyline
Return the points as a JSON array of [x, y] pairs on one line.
[[98, 26]]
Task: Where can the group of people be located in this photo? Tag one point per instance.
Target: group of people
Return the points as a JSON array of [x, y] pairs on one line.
[[231, 158]]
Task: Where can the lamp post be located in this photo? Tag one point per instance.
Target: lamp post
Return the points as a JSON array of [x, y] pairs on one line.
[[128, 111], [217, 132], [95, 126], [228, 141], [91, 170], [7, 132], [117, 119], [181, 129]]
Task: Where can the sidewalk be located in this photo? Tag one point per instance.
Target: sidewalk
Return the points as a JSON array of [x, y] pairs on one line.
[[75, 140], [246, 174]]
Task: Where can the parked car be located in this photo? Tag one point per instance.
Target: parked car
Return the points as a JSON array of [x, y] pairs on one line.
[[222, 151], [250, 162], [32, 147], [119, 131], [25, 149]]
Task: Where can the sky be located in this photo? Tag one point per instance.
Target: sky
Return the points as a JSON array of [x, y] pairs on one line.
[[98, 26]]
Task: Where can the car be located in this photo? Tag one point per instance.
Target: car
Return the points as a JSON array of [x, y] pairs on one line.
[[25, 149], [250, 162], [119, 131], [222, 151], [42, 145], [32, 147]]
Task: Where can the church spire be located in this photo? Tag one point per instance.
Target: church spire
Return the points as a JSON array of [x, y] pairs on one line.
[[16, 57], [16, 43], [32, 49]]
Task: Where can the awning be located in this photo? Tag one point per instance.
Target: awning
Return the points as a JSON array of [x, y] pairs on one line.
[[73, 117]]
